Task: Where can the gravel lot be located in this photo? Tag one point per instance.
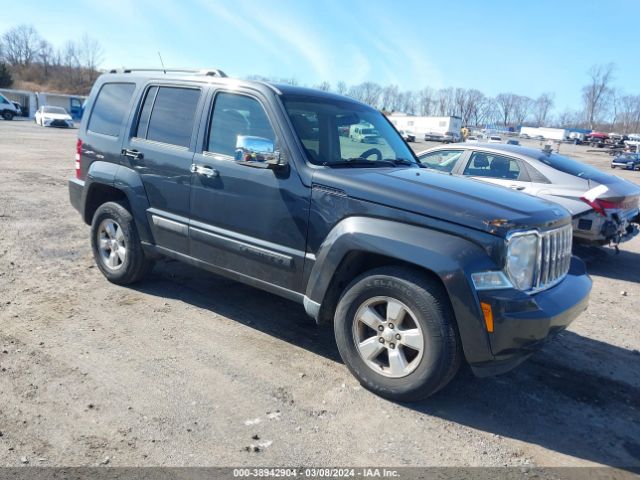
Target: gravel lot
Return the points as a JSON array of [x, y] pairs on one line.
[[191, 369]]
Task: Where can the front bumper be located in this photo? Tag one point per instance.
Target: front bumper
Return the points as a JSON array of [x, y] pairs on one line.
[[627, 165], [58, 123], [523, 323]]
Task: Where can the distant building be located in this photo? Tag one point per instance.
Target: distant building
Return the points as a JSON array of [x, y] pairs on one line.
[[31, 101]]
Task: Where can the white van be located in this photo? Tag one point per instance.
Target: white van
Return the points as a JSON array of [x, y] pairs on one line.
[[7, 109], [363, 133]]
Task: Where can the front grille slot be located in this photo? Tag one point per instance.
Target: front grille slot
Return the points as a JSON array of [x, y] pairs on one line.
[[554, 256]]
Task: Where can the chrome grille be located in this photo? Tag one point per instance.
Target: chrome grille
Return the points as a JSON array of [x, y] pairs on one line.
[[554, 256]]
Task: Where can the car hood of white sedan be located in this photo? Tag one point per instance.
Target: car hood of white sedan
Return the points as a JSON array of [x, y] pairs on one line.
[[56, 116]]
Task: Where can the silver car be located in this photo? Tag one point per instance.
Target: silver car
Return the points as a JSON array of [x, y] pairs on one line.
[[605, 208]]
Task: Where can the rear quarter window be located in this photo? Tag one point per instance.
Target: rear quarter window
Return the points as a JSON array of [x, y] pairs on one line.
[[575, 168], [110, 108]]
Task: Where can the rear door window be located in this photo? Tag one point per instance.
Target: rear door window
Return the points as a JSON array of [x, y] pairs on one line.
[[168, 115], [483, 164], [110, 108]]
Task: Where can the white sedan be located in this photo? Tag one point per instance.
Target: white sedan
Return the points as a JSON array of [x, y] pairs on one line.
[[48, 116]]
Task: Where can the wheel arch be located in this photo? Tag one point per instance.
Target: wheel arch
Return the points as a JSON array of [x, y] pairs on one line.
[[107, 182], [359, 244]]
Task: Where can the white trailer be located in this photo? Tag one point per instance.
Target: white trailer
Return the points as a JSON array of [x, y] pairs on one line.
[[545, 132], [421, 125]]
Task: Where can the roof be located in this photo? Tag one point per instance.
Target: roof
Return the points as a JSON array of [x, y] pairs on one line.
[[213, 75]]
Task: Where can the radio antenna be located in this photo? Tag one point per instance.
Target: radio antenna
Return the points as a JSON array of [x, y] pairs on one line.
[[162, 63]]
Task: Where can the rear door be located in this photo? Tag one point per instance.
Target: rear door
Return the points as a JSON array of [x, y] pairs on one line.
[[499, 169], [160, 148]]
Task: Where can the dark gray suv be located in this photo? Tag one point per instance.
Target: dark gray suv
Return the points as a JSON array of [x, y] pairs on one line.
[[416, 271]]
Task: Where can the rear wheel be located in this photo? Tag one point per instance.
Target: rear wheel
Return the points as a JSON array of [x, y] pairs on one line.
[[116, 245], [7, 115], [396, 333]]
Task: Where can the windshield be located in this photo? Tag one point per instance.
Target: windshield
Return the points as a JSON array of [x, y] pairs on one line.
[[572, 167], [54, 110], [327, 129]]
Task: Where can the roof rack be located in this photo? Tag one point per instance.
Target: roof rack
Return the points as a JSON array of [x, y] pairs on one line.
[[213, 72]]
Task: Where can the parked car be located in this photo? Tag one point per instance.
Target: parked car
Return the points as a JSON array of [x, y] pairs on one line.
[[446, 137], [50, 116], [7, 108], [494, 139], [413, 270], [364, 134], [512, 141], [18, 108], [407, 136], [605, 208], [471, 139], [630, 161]]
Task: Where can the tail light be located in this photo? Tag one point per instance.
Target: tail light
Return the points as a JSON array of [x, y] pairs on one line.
[[79, 159], [600, 205]]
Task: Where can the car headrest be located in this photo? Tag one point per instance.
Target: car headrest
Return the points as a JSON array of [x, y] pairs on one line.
[[480, 160], [500, 165]]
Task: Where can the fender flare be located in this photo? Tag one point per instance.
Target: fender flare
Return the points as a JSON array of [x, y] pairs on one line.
[[127, 181], [450, 257]]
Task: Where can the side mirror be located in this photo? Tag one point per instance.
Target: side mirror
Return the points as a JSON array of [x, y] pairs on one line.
[[257, 152]]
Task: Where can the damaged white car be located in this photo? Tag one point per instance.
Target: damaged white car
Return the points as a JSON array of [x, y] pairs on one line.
[[605, 208]]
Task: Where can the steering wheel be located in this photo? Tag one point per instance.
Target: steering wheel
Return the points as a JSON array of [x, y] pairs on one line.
[[372, 151]]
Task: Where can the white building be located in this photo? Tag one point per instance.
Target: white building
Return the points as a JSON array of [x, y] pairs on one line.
[[31, 101], [421, 125]]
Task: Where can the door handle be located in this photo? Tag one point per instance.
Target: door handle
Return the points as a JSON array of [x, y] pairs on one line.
[[134, 154], [517, 187], [204, 170]]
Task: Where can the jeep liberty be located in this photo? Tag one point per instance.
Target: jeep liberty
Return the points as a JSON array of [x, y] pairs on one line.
[[417, 271]]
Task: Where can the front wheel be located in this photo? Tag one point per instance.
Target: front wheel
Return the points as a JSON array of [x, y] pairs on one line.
[[396, 333], [116, 245], [7, 115]]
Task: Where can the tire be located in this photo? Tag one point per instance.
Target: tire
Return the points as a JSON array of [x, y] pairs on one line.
[[427, 309], [7, 115], [121, 268]]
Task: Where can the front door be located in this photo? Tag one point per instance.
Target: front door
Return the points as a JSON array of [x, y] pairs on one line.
[[248, 220], [161, 151]]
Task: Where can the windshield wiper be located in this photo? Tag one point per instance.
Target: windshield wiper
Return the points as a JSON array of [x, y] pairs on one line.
[[401, 161], [359, 162]]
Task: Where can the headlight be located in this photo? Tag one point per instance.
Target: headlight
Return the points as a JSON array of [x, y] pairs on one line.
[[522, 254]]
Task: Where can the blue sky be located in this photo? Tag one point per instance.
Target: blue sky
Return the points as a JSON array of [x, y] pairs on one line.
[[496, 46]]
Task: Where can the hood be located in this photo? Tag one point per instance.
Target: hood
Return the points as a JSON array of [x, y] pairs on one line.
[[467, 202], [56, 116]]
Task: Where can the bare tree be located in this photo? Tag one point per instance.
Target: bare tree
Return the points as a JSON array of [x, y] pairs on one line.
[[506, 104], [407, 102], [367, 92], [324, 86], [46, 57], [541, 108], [445, 102], [521, 108], [90, 55], [390, 97], [596, 94], [20, 45], [425, 101], [341, 88]]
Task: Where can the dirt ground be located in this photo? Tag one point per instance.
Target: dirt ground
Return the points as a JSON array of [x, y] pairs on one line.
[[191, 369]]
